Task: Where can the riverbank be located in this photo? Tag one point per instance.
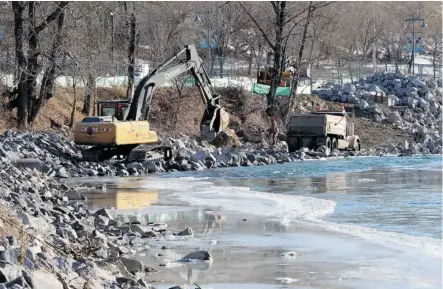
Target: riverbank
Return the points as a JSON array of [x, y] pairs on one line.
[[49, 234], [58, 156], [49, 239]]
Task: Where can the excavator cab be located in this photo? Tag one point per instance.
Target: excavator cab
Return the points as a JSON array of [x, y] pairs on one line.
[[113, 108]]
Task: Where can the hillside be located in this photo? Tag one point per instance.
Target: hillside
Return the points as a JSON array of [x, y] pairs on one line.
[[175, 113]]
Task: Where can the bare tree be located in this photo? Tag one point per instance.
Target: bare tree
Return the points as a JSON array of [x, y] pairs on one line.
[[165, 27], [47, 85], [28, 65], [287, 23], [310, 14], [131, 24], [220, 23], [434, 33], [22, 99]]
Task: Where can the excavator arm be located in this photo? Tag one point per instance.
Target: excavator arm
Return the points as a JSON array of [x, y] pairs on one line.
[[215, 118]]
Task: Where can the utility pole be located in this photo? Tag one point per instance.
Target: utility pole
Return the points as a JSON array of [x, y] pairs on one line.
[[423, 25], [374, 51], [112, 37]]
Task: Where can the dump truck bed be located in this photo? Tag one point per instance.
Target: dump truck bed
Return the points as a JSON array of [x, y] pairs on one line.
[[317, 125]]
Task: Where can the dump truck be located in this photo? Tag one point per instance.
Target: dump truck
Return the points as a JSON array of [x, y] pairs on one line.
[[332, 128]]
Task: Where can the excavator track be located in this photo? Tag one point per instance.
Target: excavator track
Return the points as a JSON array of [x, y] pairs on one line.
[[99, 154], [150, 153], [140, 153]]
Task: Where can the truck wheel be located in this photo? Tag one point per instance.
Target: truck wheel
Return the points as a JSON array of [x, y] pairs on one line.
[[294, 144], [328, 143], [334, 143]]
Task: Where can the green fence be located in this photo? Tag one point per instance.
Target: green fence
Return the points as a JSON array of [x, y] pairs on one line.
[[264, 89]]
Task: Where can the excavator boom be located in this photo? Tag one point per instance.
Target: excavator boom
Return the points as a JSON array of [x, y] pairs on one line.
[[215, 118]]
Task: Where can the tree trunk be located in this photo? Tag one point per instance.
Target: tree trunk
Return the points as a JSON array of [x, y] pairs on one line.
[[278, 55], [298, 63], [89, 91], [33, 53], [71, 122], [221, 62], [47, 86], [350, 73], [250, 65], [212, 60], [131, 56], [22, 109]]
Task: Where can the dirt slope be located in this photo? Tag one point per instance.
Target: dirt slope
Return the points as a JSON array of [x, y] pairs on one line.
[[176, 113]]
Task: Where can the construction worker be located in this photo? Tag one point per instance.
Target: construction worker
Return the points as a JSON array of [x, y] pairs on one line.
[[274, 130]]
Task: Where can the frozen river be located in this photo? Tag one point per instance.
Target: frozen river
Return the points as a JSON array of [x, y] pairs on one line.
[[354, 223]]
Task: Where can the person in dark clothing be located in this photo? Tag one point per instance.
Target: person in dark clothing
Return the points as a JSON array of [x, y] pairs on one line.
[[274, 130]]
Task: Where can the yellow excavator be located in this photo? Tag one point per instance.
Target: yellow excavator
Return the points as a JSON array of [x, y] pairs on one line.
[[122, 128]]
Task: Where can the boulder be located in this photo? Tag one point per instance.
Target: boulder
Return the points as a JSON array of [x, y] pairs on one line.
[[420, 84], [199, 156], [150, 166], [61, 173], [43, 280], [123, 173], [429, 96], [324, 151], [134, 166], [349, 88], [103, 212], [377, 90], [184, 286], [423, 104], [375, 109], [17, 283], [434, 107], [9, 272], [197, 256], [185, 232], [394, 116], [394, 98], [132, 265], [412, 102], [363, 105], [149, 234], [38, 224], [157, 226], [354, 100]]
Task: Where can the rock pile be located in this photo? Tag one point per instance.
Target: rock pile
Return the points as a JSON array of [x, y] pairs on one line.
[[400, 89], [61, 236], [411, 104], [58, 156]]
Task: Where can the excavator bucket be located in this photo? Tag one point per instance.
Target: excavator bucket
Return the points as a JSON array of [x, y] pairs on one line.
[[218, 132], [220, 120]]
